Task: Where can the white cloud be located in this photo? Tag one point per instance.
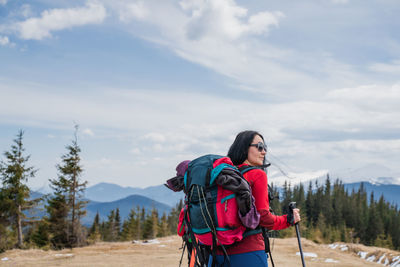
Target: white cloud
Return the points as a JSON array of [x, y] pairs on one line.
[[259, 23], [225, 19], [392, 68], [3, 2], [4, 40], [152, 129], [59, 19], [340, 1], [135, 151], [155, 137], [372, 98], [88, 131], [226, 38], [129, 11], [26, 10]]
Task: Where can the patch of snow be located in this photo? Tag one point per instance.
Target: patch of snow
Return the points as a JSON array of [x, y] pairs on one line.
[[333, 246], [395, 263], [362, 254], [5, 259], [371, 258], [381, 258], [396, 258], [64, 255], [386, 262], [162, 246], [344, 248], [308, 254], [151, 241], [331, 260]]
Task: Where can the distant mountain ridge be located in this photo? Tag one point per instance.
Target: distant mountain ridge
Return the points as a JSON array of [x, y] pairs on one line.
[[106, 192], [371, 173], [125, 206]]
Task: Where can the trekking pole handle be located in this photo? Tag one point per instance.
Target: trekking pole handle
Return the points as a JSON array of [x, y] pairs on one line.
[[292, 206]]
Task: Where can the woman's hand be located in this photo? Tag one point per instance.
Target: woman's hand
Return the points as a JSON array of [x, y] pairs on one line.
[[296, 215]]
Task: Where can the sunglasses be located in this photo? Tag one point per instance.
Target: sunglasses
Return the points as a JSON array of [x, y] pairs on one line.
[[260, 146]]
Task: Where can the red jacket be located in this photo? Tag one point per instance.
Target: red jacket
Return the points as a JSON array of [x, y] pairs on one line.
[[259, 186]]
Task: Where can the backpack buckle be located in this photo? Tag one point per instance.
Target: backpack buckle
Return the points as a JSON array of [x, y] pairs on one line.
[[208, 196]]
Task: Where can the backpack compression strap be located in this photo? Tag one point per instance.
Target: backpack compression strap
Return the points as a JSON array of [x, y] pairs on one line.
[[195, 243], [213, 230]]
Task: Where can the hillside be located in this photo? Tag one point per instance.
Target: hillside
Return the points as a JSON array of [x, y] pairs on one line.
[[125, 205], [166, 252]]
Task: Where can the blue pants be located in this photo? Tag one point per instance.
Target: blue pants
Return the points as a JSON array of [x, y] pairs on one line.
[[250, 259]]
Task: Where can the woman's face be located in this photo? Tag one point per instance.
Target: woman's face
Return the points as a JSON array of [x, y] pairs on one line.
[[255, 157]]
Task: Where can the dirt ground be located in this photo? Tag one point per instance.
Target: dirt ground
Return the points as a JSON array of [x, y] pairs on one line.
[[166, 252]]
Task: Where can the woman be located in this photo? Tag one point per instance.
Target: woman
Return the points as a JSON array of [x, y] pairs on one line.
[[249, 149]]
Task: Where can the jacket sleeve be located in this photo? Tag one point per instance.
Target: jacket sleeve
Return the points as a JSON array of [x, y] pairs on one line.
[[259, 185]]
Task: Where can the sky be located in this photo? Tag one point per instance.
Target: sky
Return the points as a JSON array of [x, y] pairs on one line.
[[151, 83]]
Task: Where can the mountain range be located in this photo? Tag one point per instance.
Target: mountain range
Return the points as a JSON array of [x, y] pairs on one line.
[[125, 205], [104, 197], [371, 173], [106, 192]]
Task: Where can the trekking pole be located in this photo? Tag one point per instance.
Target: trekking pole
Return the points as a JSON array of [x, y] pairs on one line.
[[292, 205]]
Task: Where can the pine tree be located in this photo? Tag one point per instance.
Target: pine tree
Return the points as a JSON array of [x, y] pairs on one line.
[[117, 224], [154, 217], [110, 233], [287, 197], [58, 209], [40, 235], [163, 226], [103, 230], [327, 209], [317, 205], [150, 227], [338, 204], [309, 206], [94, 232], [375, 225], [7, 236], [68, 194], [14, 175], [129, 227], [173, 217]]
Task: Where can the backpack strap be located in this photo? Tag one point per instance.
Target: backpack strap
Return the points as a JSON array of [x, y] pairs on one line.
[[212, 211], [267, 244], [195, 243], [245, 169]]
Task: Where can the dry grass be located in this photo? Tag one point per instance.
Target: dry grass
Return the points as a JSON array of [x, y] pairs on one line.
[[166, 253]]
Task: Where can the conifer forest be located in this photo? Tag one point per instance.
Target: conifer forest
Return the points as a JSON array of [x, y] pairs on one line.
[[329, 212]]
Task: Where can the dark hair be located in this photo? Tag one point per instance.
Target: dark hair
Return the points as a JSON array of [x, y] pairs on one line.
[[240, 148]]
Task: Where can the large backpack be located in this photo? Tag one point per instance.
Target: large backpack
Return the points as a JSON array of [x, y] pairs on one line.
[[211, 210], [210, 215]]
